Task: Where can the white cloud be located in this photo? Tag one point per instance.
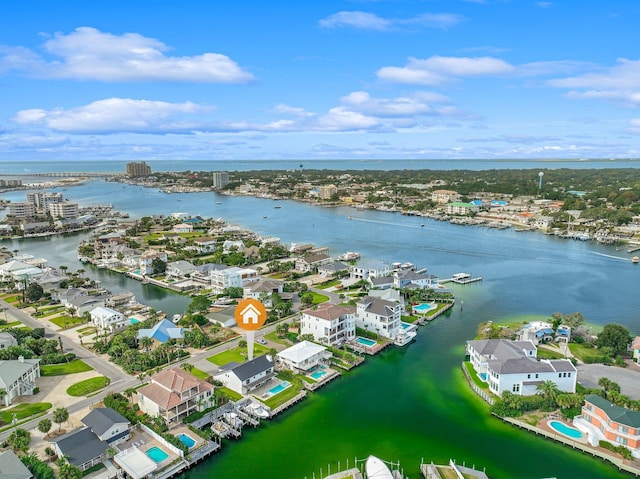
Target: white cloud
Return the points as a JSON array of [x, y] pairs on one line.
[[89, 54], [437, 70], [619, 83], [371, 21], [420, 104], [634, 126], [360, 20], [342, 119], [116, 115]]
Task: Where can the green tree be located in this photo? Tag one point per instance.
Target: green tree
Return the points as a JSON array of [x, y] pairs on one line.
[[548, 390], [44, 426], [19, 440], [614, 336], [199, 303], [67, 471], [158, 266], [60, 415], [34, 292]]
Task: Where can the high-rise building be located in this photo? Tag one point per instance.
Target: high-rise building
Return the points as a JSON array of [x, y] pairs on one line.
[[43, 201], [22, 210], [138, 169], [64, 210], [220, 179]]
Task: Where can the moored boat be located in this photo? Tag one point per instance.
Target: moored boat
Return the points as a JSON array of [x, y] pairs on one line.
[[375, 468]]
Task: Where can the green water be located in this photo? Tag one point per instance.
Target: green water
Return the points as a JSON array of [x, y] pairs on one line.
[[402, 405]]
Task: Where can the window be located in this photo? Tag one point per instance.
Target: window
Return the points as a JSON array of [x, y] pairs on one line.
[[621, 440], [515, 388], [623, 429], [536, 375], [528, 376]]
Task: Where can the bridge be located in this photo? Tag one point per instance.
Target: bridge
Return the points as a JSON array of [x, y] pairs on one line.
[[67, 174]]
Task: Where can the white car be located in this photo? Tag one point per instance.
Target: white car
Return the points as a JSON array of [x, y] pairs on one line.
[[261, 341]]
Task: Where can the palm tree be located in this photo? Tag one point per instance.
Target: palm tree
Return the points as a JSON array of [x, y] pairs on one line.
[[60, 415], [187, 367], [146, 342], [242, 344], [548, 390]]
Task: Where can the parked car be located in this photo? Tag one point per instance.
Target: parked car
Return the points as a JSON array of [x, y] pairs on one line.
[[261, 341]]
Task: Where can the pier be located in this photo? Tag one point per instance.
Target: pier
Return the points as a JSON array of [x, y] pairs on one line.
[[461, 278]]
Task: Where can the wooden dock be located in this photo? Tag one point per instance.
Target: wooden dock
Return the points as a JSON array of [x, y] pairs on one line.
[[461, 278]]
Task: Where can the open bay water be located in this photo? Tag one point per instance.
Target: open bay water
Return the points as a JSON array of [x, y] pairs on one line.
[[405, 404]]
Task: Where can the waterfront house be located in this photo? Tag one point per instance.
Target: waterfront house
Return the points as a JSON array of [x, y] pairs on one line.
[[18, 271], [403, 278], [179, 269], [205, 245], [379, 316], [18, 378], [225, 317], [248, 376], [383, 282], [334, 268], [107, 319], [173, 394], [108, 425], [604, 421], [49, 279], [369, 269], [146, 260], [542, 332], [635, 348], [162, 332], [303, 357], [81, 447], [183, 228], [229, 246], [11, 467], [311, 262], [79, 300], [232, 277], [513, 366], [458, 208], [329, 324]]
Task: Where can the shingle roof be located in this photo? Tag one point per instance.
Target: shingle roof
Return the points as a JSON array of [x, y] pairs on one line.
[[329, 311], [81, 446], [166, 385], [378, 306], [100, 420], [11, 467], [249, 369], [615, 413]]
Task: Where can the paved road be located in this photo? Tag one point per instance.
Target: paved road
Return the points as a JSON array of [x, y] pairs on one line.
[[628, 378]]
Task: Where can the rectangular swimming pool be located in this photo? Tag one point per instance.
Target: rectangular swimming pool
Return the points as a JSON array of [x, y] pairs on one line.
[[366, 342], [318, 374], [186, 440], [279, 388], [423, 308], [156, 454]]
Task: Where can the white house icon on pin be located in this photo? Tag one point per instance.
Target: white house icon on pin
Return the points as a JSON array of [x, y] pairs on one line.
[[250, 314]]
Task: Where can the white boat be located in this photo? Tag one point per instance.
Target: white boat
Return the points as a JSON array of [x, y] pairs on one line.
[[257, 410], [349, 256], [176, 318], [635, 260], [376, 469]]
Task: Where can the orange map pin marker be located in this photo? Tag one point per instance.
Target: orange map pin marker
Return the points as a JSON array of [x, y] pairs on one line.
[[250, 314]]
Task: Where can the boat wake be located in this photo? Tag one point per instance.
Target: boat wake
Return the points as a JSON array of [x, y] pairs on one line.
[[611, 256], [386, 222]]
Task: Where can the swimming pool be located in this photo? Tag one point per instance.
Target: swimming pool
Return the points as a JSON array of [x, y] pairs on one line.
[[279, 388], [562, 428], [424, 307], [186, 440], [156, 454], [365, 342], [318, 374], [134, 320], [483, 376]]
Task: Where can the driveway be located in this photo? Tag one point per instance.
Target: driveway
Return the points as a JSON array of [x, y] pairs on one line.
[[628, 378]]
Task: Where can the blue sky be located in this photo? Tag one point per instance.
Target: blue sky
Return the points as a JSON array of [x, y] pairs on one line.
[[319, 79]]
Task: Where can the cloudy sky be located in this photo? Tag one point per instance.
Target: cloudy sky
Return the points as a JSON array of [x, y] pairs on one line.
[[384, 79]]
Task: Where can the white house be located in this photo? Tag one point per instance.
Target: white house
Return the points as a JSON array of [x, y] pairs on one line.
[[205, 245], [232, 277], [303, 356], [369, 269], [107, 319], [146, 260], [329, 323], [444, 196], [183, 228], [513, 366], [263, 289], [180, 269], [174, 394], [541, 332], [108, 424], [458, 208], [232, 245], [403, 278], [244, 378], [379, 316], [311, 262], [18, 378]]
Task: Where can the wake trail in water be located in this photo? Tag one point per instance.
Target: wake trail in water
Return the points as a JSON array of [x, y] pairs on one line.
[[610, 256], [387, 223]]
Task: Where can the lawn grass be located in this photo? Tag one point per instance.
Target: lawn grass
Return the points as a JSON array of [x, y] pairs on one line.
[[587, 354], [23, 411], [273, 336], [73, 367], [10, 325], [283, 397], [199, 373], [319, 298], [544, 353], [66, 322], [328, 284], [236, 355], [12, 298], [230, 393], [474, 376], [88, 386]]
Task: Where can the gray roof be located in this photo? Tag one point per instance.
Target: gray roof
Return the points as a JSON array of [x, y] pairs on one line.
[[100, 420], [81, 446], [518, 366], [13, 369], [501, 348], [249, 369], [562, 365], [378, 306], [11, 467], [335, 266], [381, 280]]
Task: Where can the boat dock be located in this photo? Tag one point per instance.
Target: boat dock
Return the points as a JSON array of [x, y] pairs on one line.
[[461, 278]]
